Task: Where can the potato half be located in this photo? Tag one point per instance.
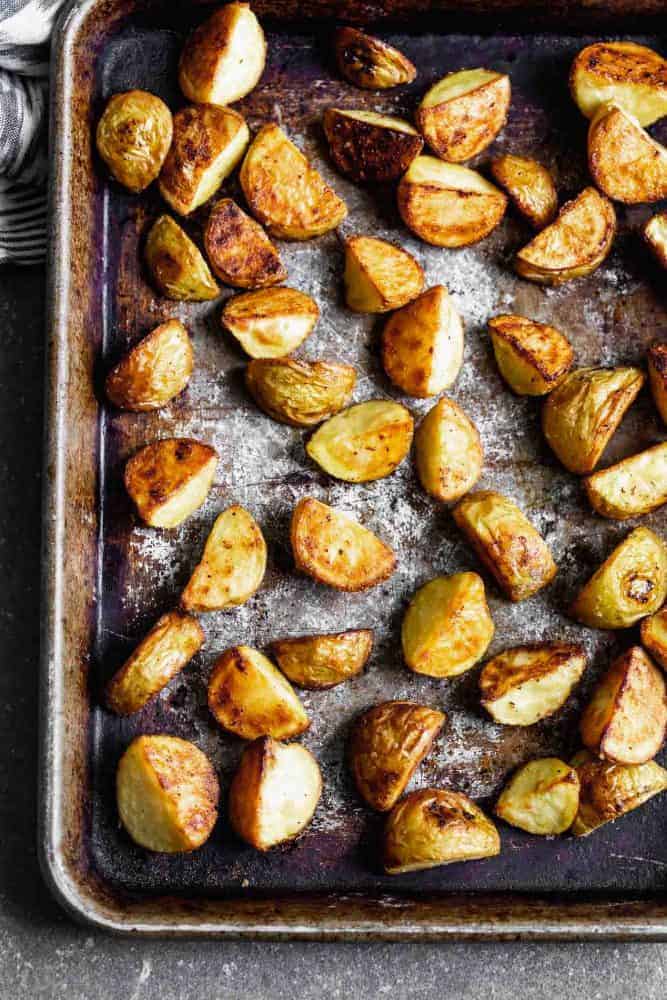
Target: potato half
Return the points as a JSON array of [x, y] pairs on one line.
[[447, 627], [657, 371], [532, 357], [653, 631], [167, 794], [365, 442], [464, 112], [624, 161], [608, 791], [232, 565], [631, 74], [448, 452], [322, 661], [379, 276], [240, 252], [541, 797], [272, 322], [224, 57], [169, 479], [133, 137], [635, 486], [527, 683], [336, 550], [176, 266], [368, 147], [387, 745], [655, 234], [530, 187], [300, 393], [370, 63], [422, 344], [156, 370]]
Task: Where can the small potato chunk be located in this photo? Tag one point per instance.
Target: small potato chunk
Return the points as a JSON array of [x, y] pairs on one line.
[[379, 276], [272, 322], [323, 661], [653, 631], [448, 452], [574, 245], [422, 344], [154, 372], [448, 205], [370, 63], [464, 112], [580, 416], [635, 486], [608, 791], [336, 550], [285, 192], [224, 57], [530, 187], [232, 566], [532, 357], [630, 74], [657, 373], [630, 584], [176, 266], [447, 627], [240, 252], [368, 147], [527, 683], [133, 138], [387, 745], [542, 797], [274, 793], [624, 161], [506, 542], [655, 235], [365, 442], [169, 479], [435, 827], [167, 794], [300, 393]]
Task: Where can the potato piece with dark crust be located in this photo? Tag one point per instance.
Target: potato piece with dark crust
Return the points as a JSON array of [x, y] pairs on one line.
[[541, 797], [379, 276], [624, 161], [532, 357], [169, 479], [300, 393], [522, 685], [365, 442], [323, 661], [176, 266], [133, 137], [422, 344], [464, 112], [232, 566], [657, 372], [530, 186], [239, 251], [156, 370], [654, 232], [271, 322], [633, 75], [370, 63], [653, 631], [368, 147], [608, 791], [448, 452], [630, 488]]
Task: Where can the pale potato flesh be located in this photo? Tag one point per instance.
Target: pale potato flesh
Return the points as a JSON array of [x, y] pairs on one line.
[[224, 57], [530, 187], [156, 370], [133, 137], [532, 357], [232, 566], [655, 234], [542, 797], [527, 683], [448, 452], [370, 63], [365, 442], [300, 393], [169, 479], [322, 661], [464, 112], [608, 791], [422, 344], [624, 161], [653, 631], [368, 147], [239, 251], [632, 75], [379, 276], [271, 322], [633, 487], [176, 266], [657, 369]]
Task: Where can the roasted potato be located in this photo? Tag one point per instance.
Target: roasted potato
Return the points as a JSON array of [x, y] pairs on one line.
[[167, 794], [387, 745], [447, 627], [653, 631], [448, 452], [365, 442], [300, 393], [284, 191], [630, 584], [379, 276], [635, 486], [422, 344], [435, 827], [448, 205], [169, 479], [655, 235], [224, 57], [532, 357], [336, 550], [630, 74], [574, 245], [464, 112], [506, 542], [624, 161], [527, 683], [323, 661], [530, 186], [240, 252], [368, 147], [168, 647], [250, 697], [272, 322], [541, 797], [657, 373], [176, 266], [232, 565], [370, 63], [274, 793], [581, 414], [133, 137], [608, 791], [156, 370]]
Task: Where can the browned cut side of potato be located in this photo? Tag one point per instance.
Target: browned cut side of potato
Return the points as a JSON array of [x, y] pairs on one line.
[[633, 75], [448, 452], [653, 631], [365, 442], [336, 550], [624, 161], [657, 371], [240, 252], [635, 486], [655, 235], [464, 112], [167, 794], [608, 791], [300, 393], [532, 357], [133, 137], [271, 322], [224, 57], [176, 266], [232, 566], [156, 370], [169, 479], [527, 683], [422, 344], [379, 276], [530, 186], [370, 63], [542, 797], [322, 661], [368, 147]]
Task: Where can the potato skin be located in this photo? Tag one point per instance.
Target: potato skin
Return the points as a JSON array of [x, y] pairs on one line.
[[239, 251], [542, 797], [370, 63], [379, 276], [653, 631], [175, 264], [365, 442], [133, 137], [422, 344], [460, 127], [632, 74], [224, 57], [270, 322], [527, 683], [370, 150], [654, 232], [318, 662], [448, 452], [623, 159], [160, 478], [232, 566], [154, 371], [530, 187], [630, 488], [532, 357], [608, 791], [657, 373], [300, 393]]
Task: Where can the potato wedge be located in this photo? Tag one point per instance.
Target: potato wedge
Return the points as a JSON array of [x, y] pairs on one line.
[[630, 584], [366, 441], [368, 147], [133, 137], [323, 661], [300, 393], [285, 192], [422, 344], [541, 797], [370, 63], [434, 827], [272, 322], [232, 566], [240, 252], [447, 627], [527, 683], [624, 161], [274, 793], [448, 205], [532, 357], [580, 416], [154, 372], [574, 245], [169, 479], [448, 452], [168, 647], [176, 266], [379, 276], [655, 235], [630, 74], [530, 186], [464, 112], [224, 57], [653, 631], [506, 542], [167, 793], [336, 550], [635, 486], [608, 791], [657, 373]]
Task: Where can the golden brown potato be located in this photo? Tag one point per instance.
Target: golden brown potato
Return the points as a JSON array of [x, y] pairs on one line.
[[582, 413], [336, 550], [608, 791], [530, 187], [168, 647], [274, 792], [176, 266], [464, 112], [448, 205], [527, 683], [630, 584], [635, 486], [272, 322], [368, 147], [322, 661], [541, 797], [574, 245], [284, 191], [532, 357], [370, 63], [250, 697], [240, 252], [447, 627], [379, 276], [232, 565], [506, 542], [167, 794], [133, 137], [435, 827], [448, 452], [653, 631], [655, 235], [300, 393], [631, 74], [624, 161], [387, 745], [365, 442], [156, 370], [657, 373], [422, 344], [169, 479], [224, 57]]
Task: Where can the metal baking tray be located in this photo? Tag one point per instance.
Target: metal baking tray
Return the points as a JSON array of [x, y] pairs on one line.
[[107, 578]]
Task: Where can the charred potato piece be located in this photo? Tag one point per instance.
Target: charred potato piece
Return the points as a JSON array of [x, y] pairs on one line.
[[542, 797], [155, 371], [167, 794], [240, 252], [300, 393], [653, 631], [630, 74], [464, 112], [657, 373], [608, 791], [169, 479], [368, 147], [624, 161], [224, 57], [370, 63], [655, 235], [635, 486], [176, 266], [530, 186], [272, 322], [527, 683], [379, 276], [133, 138], [365, 442], [532, 357], [232, 566], [448, 452], [387, 745], [323, 661], [422, 344]]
